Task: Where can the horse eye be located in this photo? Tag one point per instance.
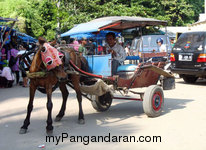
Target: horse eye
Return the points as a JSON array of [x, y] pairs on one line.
[[43, 49], [60, 55], [49, 62]]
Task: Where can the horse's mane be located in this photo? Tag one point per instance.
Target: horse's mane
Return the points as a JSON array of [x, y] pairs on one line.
[[36, 62]]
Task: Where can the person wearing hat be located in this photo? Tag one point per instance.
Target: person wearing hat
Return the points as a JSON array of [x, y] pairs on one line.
[[162, 47], [82, 49]]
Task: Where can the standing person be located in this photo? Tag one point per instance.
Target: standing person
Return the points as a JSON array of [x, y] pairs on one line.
[[82, 49], [15, 68], [76, 45], [22, 66], [90, 47], [117, 51], [162, 47], [172, 41], [127, 49]]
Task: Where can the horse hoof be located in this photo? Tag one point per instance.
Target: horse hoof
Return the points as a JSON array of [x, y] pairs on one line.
[[49, 132], [22, 131], [81, 121], [57, 119]]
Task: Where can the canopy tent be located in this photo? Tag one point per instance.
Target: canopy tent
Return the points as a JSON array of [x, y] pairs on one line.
[[12, 25], [113, 23], [6, 29]]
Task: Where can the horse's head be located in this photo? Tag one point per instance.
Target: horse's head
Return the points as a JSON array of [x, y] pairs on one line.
[[52, 58]]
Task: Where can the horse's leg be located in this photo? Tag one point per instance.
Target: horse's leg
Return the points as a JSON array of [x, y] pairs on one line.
[[32, 90], [75, 82], [65, 94], [49, 127]]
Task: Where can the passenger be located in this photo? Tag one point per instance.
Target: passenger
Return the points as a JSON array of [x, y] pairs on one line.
[[117, 51], [82, 48]]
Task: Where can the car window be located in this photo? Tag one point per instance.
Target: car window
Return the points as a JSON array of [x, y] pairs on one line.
[[134, 44], [190, 41], [147, 43]]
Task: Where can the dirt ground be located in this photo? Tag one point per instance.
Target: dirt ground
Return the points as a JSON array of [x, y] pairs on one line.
[[181, 126]]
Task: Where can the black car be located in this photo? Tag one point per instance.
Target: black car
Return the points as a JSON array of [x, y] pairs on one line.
[[188, 57]]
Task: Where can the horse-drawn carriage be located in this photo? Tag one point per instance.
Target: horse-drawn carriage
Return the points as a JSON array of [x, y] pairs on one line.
[[96, 82]]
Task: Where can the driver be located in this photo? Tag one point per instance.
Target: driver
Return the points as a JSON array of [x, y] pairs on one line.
[[162, 47], [117, 51]]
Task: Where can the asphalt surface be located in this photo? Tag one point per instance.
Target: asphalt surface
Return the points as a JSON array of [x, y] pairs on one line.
[[182, 124]]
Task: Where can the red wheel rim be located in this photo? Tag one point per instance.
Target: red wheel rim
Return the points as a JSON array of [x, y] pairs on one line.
[[157, 101]]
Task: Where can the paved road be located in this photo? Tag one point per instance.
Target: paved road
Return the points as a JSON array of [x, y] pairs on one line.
[[181, 126]]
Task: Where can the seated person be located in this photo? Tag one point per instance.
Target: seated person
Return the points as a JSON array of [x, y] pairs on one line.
[[161, 46], [117, 51], [6, 77]]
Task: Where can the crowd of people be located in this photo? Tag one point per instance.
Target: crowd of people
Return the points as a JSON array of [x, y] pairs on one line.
[[10, 62]]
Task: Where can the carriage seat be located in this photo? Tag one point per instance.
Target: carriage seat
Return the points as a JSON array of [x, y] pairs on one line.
[[126, 71], [127, 68]]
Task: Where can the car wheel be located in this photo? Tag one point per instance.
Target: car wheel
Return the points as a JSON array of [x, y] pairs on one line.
[[189, 78]]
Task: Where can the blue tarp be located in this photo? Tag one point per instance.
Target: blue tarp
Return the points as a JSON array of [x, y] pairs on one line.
[[101, 35], [26, 38], [22, 36], [86, 28], [7, 19]]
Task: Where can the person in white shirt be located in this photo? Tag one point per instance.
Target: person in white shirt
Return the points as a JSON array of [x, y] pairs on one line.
[[6, 77], [117, 51], [162, 47]]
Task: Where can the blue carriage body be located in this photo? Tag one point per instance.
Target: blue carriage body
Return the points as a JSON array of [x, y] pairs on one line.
[[99, 64]]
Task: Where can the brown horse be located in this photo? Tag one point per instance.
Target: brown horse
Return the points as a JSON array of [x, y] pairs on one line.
[[52, 78]]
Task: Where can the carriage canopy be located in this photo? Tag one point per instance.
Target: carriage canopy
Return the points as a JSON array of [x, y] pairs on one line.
[[113, 23]]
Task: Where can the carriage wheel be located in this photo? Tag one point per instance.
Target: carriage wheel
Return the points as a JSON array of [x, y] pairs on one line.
[[102, 103], [153, 101]]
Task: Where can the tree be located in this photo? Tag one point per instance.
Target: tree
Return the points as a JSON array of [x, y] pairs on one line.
[[41, 17]]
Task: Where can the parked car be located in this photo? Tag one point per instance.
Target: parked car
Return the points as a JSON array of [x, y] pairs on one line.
[[188, 57]]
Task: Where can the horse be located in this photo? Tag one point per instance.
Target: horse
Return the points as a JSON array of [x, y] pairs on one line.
[[54, 75]]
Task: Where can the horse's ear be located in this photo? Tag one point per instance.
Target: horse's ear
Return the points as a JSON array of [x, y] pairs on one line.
[[41, 40], [53, 43]]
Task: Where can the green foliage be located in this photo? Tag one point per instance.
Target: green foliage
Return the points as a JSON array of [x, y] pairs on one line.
[[41, 17]]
